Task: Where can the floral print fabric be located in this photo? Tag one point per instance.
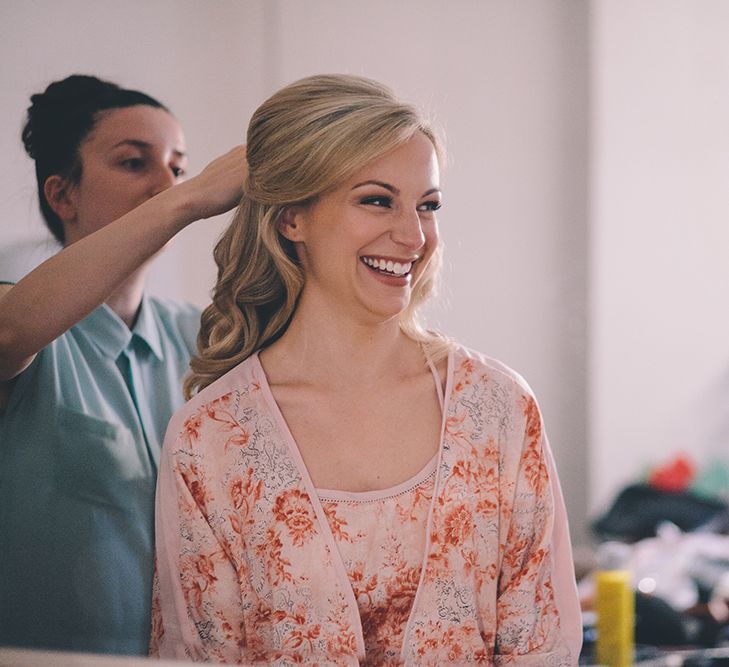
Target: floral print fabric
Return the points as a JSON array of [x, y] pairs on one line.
[[381, 538], [249, 570]]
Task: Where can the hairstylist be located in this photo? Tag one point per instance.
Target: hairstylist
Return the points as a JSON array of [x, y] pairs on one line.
[[91, 367]]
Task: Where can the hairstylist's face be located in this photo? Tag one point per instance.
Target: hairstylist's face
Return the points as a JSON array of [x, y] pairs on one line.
[[364, 244], [131, 155]]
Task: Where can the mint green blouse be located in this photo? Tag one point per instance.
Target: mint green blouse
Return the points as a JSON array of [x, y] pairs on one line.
[[79, 446]]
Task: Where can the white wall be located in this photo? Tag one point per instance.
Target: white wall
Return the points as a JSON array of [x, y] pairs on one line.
[[659, 323], [507, 81]]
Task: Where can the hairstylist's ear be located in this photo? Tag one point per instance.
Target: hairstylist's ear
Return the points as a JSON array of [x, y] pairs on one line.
[[59, 197], [290, 223]]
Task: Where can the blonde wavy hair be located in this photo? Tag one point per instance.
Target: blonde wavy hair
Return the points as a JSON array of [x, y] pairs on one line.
[[307, 138]]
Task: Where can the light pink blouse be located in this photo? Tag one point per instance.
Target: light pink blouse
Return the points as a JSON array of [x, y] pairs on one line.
[[250, 571]]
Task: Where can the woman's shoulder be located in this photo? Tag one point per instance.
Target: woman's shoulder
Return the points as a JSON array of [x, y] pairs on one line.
[[239, 380], [482, 385], [178, 314], [472, 362], [176, 320], [174, 308]]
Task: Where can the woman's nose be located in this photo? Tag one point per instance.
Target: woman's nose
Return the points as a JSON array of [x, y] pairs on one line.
[[163, 178], [408, 230]]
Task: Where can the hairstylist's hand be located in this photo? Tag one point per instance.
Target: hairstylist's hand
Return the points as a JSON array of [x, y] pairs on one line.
[[219, 186]]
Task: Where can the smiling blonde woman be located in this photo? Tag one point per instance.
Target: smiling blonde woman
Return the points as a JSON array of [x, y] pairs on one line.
[[347, 487]]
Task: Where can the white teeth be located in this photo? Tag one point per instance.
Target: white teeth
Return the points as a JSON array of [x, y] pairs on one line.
[[396, 268]]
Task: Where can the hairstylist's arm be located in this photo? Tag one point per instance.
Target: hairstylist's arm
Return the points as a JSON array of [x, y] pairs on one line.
[[70, 285]]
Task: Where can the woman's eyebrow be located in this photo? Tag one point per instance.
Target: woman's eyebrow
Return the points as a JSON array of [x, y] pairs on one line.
[[382, 184], [139, 143], [391, 188]]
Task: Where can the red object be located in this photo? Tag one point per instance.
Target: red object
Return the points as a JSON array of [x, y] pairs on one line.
[[675, 476]]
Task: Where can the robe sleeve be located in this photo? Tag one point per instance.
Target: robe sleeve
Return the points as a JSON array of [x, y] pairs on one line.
[[538, 614], [197, 610]]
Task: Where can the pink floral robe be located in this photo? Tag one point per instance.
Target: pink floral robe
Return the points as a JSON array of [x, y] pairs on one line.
[[249, 572]]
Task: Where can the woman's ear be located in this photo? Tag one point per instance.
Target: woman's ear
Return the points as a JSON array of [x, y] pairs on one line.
[[58, 192], [290, 223]]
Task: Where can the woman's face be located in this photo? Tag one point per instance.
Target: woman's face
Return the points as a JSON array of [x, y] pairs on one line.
[[364, 244], [131, 155]]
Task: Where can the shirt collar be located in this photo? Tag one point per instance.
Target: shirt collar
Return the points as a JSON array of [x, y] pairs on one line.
[[109, 333]]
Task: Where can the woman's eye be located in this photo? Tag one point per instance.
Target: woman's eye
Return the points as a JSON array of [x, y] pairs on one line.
[[379, 200], [178, 172], [133, 163], [429, 206]]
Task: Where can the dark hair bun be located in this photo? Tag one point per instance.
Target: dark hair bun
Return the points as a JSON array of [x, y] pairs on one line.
[[52, 111]]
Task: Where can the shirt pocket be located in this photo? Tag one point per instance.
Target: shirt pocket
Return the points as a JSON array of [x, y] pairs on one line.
[[98, 461]]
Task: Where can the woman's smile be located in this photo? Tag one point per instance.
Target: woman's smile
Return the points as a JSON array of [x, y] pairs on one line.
[[389, 267]]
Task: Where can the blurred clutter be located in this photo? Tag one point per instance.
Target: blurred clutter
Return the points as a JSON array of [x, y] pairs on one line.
[[667, 538]]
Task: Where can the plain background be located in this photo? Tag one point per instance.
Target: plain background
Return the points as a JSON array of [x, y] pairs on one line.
[[585, 204]]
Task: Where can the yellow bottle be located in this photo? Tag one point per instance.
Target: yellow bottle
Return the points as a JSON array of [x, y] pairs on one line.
[[615, 607]]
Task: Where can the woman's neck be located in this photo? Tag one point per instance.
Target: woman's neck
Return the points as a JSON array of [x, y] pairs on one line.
[[126, 299], [329, 349]]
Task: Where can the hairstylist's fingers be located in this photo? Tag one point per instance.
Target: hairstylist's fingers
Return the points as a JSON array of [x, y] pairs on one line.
[[220, 183]]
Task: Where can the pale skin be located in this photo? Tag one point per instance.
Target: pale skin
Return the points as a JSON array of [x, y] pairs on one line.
[[116, 218], [356, 392]]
